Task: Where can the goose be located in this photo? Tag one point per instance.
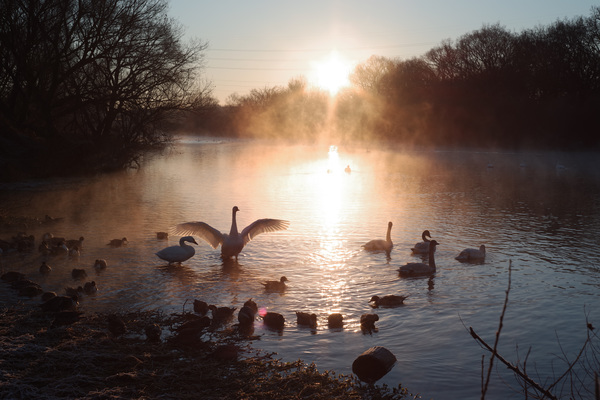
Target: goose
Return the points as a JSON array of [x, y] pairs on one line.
[[178, 254], [419, 269], [422, 247], [380, 244], [304, 318], [390, 300], [472, 255], [232, 244], [275, 286]]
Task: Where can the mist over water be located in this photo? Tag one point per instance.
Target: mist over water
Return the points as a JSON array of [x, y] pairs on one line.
[[540, 210]]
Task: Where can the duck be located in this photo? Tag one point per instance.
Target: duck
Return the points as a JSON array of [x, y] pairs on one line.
[[116, 325], [153, 332], [63, 318], [389, 300], [367, 322], [422, 247], [221, 314], [78, 273], [200, 307], [246, 315], [418, 268], [74, 252], [274, 320], [162, 235], [304, 318], [59, 303], [118, 242], [380, 244], [90, 287], [100, 264], [276, 286], [232, 244], [75, 243], [178, 254], [335, 320], [45, 268], [248, 312], [472, 255]]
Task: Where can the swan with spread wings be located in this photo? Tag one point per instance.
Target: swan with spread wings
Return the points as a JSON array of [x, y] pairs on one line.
[[233, 243]]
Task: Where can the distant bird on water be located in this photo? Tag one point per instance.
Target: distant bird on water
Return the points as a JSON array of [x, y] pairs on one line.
[[118, 242], [232, 244], [380, 244], [178, 254]]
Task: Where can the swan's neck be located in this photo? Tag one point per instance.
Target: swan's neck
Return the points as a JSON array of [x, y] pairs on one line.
[[432, 256], [388, 237], [182, 242], [234, 229], [424, 238]]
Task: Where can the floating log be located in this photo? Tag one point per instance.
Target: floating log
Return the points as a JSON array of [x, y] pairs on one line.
[[373, 364]]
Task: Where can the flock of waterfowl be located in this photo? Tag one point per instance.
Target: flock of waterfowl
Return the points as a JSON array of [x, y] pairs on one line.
[[232, 245], [65, 306]]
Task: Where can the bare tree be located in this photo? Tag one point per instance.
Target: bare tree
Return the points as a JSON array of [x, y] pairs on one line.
[[104, 76]]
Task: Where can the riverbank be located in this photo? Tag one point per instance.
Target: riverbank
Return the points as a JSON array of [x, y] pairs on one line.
[[85, 360]]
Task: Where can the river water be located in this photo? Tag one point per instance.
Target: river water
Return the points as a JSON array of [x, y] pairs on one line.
[[538, 211]]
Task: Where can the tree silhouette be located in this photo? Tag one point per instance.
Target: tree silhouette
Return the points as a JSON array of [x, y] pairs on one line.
[[93, 82]]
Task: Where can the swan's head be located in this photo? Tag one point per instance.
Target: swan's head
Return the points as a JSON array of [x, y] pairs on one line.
[[235, 209], [189, 239], [433, 243], [426, 234], [390, 224]]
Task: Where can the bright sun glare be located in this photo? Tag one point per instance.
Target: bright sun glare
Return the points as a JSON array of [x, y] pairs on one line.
[[332, 73]]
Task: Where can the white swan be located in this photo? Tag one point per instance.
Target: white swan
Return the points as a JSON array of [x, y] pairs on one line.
[[422, 247], [380, 244], [179, 253], [420, 269], [472, 255], [232, 244]]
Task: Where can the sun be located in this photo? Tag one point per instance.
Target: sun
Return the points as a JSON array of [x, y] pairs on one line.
[[332, 73]]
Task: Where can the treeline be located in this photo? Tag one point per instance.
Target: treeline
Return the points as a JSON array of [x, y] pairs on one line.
[[491, 87], [88, 85]]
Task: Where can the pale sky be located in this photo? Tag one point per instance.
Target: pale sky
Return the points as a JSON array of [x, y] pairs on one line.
[[264, 43]]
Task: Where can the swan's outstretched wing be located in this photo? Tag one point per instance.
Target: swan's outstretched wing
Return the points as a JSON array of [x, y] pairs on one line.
[[261, 226], [201, 229]]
